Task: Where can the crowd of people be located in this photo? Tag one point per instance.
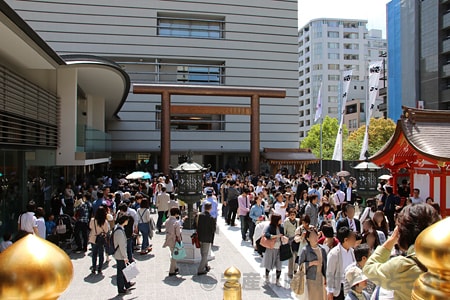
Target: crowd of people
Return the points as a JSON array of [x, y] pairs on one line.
[[348, 249]]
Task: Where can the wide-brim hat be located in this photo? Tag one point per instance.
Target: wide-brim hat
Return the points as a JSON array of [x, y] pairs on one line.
[[355, 275]]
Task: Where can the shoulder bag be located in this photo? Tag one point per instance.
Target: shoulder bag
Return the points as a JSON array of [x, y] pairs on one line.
[[61, 227], [267, 243], [298, 282]]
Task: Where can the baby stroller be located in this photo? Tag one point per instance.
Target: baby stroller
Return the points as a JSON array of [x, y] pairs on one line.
[[64, 231]]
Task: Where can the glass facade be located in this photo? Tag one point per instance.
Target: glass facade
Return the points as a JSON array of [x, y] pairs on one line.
[[429, 54], [185, 27], [394, 60]]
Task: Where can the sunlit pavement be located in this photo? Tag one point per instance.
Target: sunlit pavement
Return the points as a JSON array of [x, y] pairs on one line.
[[153, 281]]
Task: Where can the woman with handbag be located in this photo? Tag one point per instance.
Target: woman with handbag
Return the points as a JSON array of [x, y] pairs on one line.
[[97, 237], [173, 235], [144, 225], [314, 257], [272, 241]]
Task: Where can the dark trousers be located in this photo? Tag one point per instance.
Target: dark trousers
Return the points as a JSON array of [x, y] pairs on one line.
[[224, 211], [122, 284], [100, 252], [244, 226], [341, 294], [130, 249], [231, 215], [81, 235], [160, 219], [251, 229], [391, 219]]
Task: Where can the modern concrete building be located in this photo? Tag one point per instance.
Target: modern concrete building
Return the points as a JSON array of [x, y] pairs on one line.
[[326, 48], [232, 43], [418, 55], [52, 115]]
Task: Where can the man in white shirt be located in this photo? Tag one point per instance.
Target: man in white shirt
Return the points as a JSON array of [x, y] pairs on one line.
[[415, 199], [339, 258], [280, 206], [339, 197], [27, 221], [259, 188]]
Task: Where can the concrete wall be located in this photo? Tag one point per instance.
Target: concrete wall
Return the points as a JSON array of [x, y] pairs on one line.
[[259, 50]]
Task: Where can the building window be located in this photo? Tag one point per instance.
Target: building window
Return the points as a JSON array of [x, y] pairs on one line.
[[333, 34], [332, 88], [333, 45], [333, 66], [333, 55], [193, 74], [351, 35], [316, 78], [190, 27], [332, 99], [333, 77], [317, 34], [317, 67], [332, 110], [351, 109], [333, 23], [351, 56], [353, 123]]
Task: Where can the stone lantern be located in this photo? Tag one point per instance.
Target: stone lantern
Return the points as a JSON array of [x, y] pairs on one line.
[[367, 177], [190, 178]]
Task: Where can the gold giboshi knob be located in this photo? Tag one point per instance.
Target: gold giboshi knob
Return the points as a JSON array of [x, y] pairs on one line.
[[33, 268]]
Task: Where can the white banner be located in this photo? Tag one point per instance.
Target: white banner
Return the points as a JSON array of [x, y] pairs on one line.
[[374, 78], [319, 105], [346, 79]]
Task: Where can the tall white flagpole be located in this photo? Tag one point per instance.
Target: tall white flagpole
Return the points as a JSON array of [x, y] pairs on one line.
[[338, 147], [318, 116], [374, 79]]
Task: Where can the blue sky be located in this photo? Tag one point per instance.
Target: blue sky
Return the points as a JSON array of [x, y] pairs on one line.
[[372, 10]]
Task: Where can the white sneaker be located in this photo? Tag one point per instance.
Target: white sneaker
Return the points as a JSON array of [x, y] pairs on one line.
[[278, 282], [266, 279]]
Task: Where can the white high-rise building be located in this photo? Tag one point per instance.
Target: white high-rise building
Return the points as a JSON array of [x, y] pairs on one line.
[[326, 48]]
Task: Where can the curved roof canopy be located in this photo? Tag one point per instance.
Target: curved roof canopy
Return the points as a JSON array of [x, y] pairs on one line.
[[23, 47], [103, 77], [422, 137]]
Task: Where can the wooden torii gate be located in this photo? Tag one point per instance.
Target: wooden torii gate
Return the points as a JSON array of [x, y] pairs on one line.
[[167, 90]]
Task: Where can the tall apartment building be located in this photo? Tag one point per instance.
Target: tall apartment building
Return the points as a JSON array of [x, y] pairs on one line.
[[193, 42], [418, 55], [326, 48]]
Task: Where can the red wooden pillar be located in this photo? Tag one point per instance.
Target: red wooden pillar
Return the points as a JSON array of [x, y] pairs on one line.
[[165, 132], [254, 134], [443, 196]]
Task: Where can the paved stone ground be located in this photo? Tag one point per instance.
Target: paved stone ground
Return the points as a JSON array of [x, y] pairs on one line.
[[153, 281]]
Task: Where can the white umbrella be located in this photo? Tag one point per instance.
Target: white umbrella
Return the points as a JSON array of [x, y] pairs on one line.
[[343, 173], [135, 175], [385, 177]]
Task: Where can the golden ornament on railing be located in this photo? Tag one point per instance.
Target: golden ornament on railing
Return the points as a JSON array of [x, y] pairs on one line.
[[33, 268], [232, 286], [433, 250]]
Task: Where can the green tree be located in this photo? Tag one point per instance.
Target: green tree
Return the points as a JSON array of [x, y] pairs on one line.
[[380, 131], [330, 127]]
